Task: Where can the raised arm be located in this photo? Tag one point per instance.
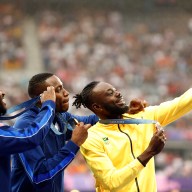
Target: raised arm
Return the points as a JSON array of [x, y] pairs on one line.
[[14, 140], [169, 111]]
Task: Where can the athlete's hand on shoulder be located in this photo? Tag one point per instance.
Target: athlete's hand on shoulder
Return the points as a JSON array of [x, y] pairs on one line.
[[137, 105]]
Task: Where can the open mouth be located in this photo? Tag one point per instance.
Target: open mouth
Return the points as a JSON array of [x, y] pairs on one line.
[[66, 101], [121, 102]]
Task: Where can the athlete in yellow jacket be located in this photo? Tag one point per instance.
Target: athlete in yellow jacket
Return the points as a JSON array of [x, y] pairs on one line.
[[121, 157]]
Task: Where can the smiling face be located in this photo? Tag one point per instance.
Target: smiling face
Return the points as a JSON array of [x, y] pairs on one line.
[[62, 96], [107, 102], [3, 108]]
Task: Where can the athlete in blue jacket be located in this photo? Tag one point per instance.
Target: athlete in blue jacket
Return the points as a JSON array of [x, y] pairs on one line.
[[41, 169], [18, 140]]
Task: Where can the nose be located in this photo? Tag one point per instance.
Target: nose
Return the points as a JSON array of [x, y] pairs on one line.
[[2, 93], [65, 93], [118, 94]]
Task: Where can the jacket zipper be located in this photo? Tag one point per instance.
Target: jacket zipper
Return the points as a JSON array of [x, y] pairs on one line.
[[136, 181]]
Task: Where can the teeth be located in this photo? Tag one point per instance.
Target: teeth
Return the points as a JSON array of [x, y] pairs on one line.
[[121, 101]]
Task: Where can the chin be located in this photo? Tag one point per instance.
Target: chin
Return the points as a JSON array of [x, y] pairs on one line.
[[65, 109]]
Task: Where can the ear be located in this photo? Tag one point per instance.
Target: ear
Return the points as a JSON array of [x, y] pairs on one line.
[[96, 107]]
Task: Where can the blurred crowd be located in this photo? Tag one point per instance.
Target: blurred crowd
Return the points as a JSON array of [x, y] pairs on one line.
[[11, 46], [143, 60]]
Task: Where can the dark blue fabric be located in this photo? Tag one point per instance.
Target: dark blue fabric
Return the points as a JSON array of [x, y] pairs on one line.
[[41, 169], [5, 169], [18, 140], [25, 105]]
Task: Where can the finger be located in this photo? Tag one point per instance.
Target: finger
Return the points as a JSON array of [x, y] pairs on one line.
[[145, 103], [163, 138], [49, 88], [158, 126], [80, 124], [87, 126], [160, 133], [52, 88]]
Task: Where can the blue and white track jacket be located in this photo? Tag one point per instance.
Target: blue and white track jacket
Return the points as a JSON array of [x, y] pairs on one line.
[[14, 140], [41, 169]]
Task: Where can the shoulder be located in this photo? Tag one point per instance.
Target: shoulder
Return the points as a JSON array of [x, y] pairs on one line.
[[66, 115]]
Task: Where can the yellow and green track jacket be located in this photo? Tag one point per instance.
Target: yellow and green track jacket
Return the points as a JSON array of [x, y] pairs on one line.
[[111, 151]]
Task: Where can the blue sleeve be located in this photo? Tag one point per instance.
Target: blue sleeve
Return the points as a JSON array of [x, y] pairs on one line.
[[40, 169], [91, 119], [38, 165], [14, 140]]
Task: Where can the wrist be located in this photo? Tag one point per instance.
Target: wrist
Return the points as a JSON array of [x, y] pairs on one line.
[[144, 164], [76, 142], [145, 157]]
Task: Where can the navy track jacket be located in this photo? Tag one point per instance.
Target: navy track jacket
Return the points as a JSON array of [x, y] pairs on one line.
[[41, 169], [18, 140]]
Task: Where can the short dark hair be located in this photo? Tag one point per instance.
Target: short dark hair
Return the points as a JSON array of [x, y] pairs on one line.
[[35, 82], [83, 98]]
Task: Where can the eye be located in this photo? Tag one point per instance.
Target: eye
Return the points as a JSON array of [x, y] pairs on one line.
[[110, 92], [59, 89]]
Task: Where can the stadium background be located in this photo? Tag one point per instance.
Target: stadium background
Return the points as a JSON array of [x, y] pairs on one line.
[[143, 47]]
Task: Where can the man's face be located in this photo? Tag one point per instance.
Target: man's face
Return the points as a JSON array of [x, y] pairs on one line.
[[3, 108], [109, 99], [62, 96]]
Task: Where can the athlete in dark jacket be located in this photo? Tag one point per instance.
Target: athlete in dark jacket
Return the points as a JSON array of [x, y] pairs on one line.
[[18, 140]]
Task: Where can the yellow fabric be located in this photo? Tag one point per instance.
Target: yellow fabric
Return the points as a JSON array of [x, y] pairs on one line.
[[108, 151]]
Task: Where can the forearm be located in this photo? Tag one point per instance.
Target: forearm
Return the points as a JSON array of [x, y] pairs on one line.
[[118, 178], [169, 111], [145, 157], [91, 119], [15, 140]]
